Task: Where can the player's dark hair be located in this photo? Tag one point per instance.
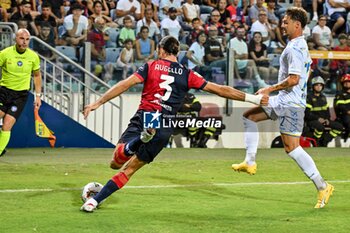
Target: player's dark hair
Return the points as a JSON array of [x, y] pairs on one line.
[[297, 14], [170, 45]]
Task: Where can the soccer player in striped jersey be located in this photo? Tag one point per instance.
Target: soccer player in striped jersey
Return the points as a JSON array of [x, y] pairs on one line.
[[165, 84], [288, 106]]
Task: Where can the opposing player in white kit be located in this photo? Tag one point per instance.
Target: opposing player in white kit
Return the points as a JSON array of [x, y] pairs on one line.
[[288, 106]]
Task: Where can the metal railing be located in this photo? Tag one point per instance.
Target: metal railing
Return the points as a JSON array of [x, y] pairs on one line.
[[67, 86], [7, 32]]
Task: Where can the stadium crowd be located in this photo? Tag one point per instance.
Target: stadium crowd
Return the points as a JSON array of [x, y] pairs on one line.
[[205, 28]]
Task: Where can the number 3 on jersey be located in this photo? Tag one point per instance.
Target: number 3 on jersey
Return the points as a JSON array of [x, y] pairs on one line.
[[165, 85]]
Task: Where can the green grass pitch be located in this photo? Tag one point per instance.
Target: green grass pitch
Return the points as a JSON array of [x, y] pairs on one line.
[[183, 190]]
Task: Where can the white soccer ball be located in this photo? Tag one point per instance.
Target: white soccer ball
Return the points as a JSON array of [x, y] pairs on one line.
[[90, 190]]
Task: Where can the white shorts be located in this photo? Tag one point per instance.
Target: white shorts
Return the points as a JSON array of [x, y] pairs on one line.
[[291, 117]]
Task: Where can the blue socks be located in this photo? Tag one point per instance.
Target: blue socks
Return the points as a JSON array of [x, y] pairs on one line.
[[106, 191]]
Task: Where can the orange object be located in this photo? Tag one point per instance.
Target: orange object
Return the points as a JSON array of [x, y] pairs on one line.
[[41, 129]]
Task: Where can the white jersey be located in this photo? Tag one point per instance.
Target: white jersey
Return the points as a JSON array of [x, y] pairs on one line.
[[295, 59]]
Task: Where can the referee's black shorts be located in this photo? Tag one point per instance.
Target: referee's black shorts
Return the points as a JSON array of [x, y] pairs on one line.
[[12, 102], [148, 151]]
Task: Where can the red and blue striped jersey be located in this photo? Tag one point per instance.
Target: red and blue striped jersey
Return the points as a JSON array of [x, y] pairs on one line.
[[165, 85]]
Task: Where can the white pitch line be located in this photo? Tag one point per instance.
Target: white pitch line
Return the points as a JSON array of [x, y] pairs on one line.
[[172, 186]]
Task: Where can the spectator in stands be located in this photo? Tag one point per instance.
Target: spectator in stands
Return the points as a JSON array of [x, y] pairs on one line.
[[213, 50], [258, 53], [211, 3], [127, 31], [46, 35], [46, 16], [165, 5], [57, 8], [97, 12], [271, 16], [214, 21], [317, 7], [196, 53], [154, 32], [76, 26], [131, 8], [148, 5], [24, 14], [225, 16], [236, 14], [337, 11], [111, 4], [342, 104], [126, 59], [171, 26], [298, 3], [98, 39], [196, 29], [264, 27], [341, 66], [317, 70], [241, 57], [3, 14], [5, 9], [83, 6], [91, 7], [322, 35], [190, 11], [144, 46], [254, 11], [66, 7], [317, 115], [204, 9], [348, 40]]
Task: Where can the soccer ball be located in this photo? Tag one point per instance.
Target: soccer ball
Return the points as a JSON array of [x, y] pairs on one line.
[[90, 190]]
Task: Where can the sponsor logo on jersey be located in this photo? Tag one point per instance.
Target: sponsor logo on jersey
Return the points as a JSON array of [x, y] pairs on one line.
[[20, 63]]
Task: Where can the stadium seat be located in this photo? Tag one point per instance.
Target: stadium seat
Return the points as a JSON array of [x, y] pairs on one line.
[[204, 18], [68, 51], [274, 59], [113, 36], [112, 54]]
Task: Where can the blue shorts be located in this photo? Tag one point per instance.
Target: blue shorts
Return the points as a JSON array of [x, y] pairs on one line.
[[148, 151], [336, 15], [291, 119]]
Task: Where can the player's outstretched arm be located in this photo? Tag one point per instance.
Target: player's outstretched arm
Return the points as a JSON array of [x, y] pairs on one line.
[[234, 94], [113, 92], [291, 81]]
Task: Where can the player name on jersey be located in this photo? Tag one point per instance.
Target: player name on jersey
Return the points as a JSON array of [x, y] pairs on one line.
[[173, 70]]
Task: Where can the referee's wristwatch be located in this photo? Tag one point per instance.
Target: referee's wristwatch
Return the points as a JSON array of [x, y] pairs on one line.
[[38, 94]]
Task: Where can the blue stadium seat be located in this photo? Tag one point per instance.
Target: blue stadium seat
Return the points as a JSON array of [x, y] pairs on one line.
[[113, 36], [69, 51], [112, 54]]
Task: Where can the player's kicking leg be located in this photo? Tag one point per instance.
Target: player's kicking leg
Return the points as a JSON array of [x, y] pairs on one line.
[[117, 182], [251, 139], [124, 151], [308, 166]]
